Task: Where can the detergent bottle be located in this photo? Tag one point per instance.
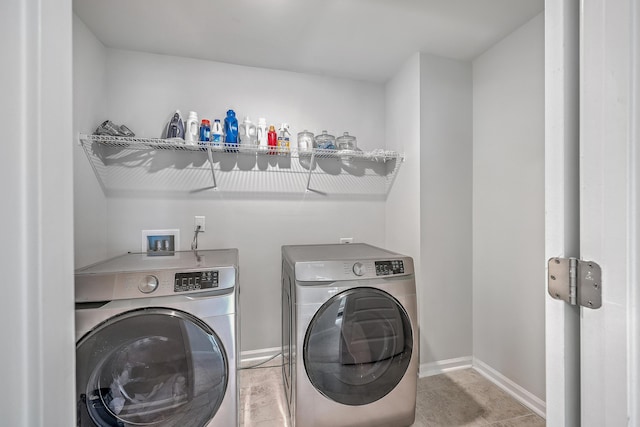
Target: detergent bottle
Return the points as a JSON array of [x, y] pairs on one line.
[[205, 131], [248, 136], [191, 131], [216, 132], [261, 134], [231, 131]]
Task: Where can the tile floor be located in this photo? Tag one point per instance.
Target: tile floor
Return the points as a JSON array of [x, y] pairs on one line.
[[458, 398]]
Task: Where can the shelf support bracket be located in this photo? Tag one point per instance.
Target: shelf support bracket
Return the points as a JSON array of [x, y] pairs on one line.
[[311, 164], [213, 173]]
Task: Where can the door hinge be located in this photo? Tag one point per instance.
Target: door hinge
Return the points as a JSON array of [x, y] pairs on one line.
[[575, 281]]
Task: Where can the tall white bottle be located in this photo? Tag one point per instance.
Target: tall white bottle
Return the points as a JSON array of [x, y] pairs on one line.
[[248, 133], [191, 135], [262, 134]]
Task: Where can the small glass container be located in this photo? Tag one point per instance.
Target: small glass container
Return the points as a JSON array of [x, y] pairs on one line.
[[305, 140], [346, 142], [325, 141]]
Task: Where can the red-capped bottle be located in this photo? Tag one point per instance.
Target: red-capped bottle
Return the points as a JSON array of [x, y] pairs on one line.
[[272, 140]]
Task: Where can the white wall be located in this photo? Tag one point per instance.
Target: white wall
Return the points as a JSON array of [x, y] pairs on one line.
[[508, 208], [90, 109], [36, 255], [445, 209], [402, 213], [428, 211], [143, 90]]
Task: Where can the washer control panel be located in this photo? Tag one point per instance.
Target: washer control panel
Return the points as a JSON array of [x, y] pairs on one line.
[[387, 268], [196, 280]]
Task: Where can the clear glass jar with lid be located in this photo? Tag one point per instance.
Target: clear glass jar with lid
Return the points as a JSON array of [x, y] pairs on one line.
[[325, 141], [346, 142], [305, 140]]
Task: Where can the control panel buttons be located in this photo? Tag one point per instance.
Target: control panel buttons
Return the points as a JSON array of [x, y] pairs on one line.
[[386, 268], [359, 269], [196, 280], [148, 284]]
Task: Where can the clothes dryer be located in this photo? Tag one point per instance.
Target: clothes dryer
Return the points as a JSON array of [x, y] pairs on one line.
[[349, 336], [156, 340]]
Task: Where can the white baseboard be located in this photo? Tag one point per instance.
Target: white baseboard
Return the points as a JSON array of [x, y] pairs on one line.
[[442, 366], [258, 355], [516, 391]]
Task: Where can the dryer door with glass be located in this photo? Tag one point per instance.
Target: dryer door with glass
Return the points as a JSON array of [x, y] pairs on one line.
[[152, 367], [358, 346]]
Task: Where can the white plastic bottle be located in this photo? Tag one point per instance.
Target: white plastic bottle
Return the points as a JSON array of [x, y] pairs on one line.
[[191, 134], [262, 134], [248, 133]]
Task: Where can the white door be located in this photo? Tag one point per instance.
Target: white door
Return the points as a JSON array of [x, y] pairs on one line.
[[609, 140], [605, 32], [36, 255]]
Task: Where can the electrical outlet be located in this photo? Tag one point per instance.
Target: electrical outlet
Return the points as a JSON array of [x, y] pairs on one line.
[[199, 221], [346, 240]]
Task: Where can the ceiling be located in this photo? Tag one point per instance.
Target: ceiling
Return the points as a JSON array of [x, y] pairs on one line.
[[360, 39]]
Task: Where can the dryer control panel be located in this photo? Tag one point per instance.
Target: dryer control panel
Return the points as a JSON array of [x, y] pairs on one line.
[[362, 269], [387, 268]]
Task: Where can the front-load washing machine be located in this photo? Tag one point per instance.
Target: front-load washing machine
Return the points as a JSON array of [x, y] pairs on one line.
[[349, 336], [156, 340]]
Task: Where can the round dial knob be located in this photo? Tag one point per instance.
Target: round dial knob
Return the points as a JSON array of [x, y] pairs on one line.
[[148, 284], [359, 269]]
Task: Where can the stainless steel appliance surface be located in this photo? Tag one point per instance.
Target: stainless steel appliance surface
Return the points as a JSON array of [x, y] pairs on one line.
[[349, 336], [156, 340]]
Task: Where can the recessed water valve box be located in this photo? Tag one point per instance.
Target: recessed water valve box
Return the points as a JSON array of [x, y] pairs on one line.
[[160, 242]]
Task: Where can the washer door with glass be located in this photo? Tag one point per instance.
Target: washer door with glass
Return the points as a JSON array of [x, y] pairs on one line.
[[150, 367], [358, 346]]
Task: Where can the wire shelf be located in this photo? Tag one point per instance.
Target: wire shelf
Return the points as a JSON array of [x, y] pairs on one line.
[[134, 143], [143, 165]]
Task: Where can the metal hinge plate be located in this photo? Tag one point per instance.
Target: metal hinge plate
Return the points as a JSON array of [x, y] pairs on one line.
[[576, 282]]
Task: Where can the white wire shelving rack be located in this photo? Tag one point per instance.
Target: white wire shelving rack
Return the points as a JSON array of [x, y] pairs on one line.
[[121, 163]]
